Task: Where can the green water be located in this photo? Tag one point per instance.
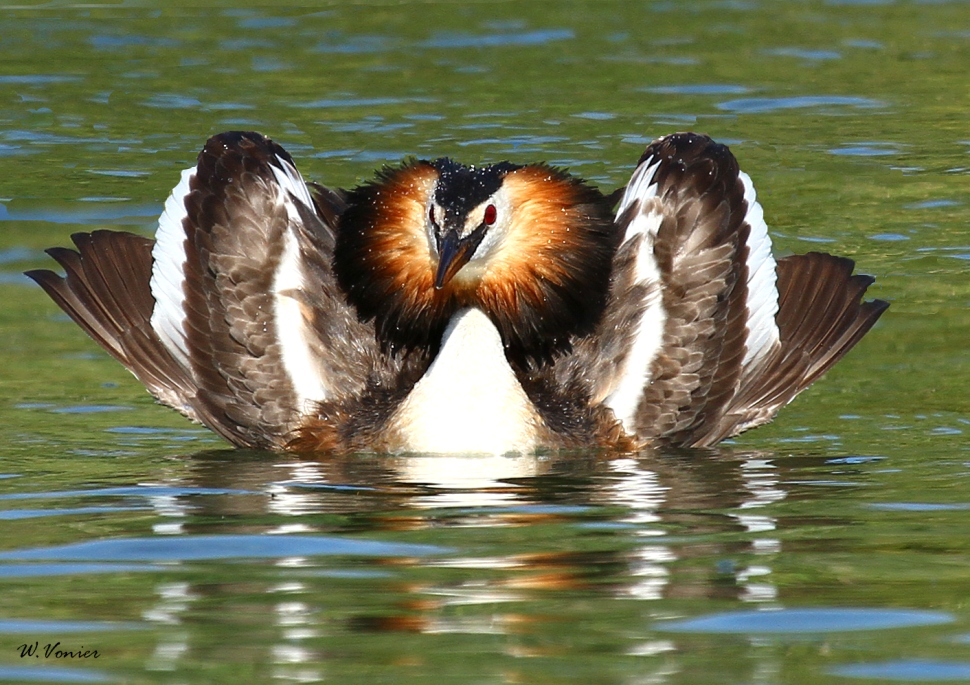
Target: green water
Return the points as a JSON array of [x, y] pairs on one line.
[[843, 525]]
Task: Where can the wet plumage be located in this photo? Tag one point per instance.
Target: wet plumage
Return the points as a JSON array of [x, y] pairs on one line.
[[447, 308]]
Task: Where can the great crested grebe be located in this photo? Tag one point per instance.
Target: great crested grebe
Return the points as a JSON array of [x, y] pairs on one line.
[[464, 309]]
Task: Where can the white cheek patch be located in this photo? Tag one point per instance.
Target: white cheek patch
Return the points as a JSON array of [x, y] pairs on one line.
[[432, 217], [496, 233]]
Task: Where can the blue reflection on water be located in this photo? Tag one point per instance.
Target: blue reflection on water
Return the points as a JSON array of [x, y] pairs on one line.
[[803, 53], [88, 213], [48, 674], [19, 514], [917, 506], [70, 569], [203, 547], [907, 669], [823, 620], [932, 204], [37, 79], [21, 625], [698, 89], [763, 105], [866, 150], [126, 491], [467, 40]]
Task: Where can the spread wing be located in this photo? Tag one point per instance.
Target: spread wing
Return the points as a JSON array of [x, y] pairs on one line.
[[233, 315], [705, 334], [105, 291]]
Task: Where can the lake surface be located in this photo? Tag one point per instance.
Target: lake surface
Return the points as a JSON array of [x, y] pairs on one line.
[[831, 546]]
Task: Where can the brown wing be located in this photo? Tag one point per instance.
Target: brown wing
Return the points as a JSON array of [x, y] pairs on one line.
[[233, 316], [234, 232], [668, 349], [267, 331], [696, 344], [821, 316], [106, 292], [700, 252]]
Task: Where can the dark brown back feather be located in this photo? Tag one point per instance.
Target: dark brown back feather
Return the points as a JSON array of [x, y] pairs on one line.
[[328, 202]]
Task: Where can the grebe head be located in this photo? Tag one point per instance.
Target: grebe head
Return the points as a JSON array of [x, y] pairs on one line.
[[469, 214], [529, 245]]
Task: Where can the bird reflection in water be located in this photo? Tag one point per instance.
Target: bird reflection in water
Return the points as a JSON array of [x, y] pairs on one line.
[[658, 527]]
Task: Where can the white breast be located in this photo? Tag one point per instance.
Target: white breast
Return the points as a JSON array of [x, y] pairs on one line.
[[469, 401]]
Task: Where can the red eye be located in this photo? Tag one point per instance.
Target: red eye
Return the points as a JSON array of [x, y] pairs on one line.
[[490, 215]]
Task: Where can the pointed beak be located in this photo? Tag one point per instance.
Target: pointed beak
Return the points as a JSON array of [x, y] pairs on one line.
[[454, 253]]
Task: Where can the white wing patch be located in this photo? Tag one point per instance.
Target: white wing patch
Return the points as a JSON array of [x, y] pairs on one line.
[[168, 272], [291, 182], [168, 281], [635, 371], [762, 302], [291, 326]]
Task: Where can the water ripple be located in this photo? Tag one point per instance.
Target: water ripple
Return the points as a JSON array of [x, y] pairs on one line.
[[933, 204], [205, 547], [71, 569], [823, 620], [128, 491], [802, 53], [911, 670], [266, 22], [20, 514], [330, 103], [467, 40], [50, 674], [355, 45], [89, 213], [172, 101], [917, 506], [23, 625], [763, 105], [697, 89], [38, 79], [867, 150], [89, 409]]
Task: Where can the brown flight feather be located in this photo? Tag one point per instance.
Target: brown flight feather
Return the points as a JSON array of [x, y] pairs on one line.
[[106, 292], [821, 316]]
